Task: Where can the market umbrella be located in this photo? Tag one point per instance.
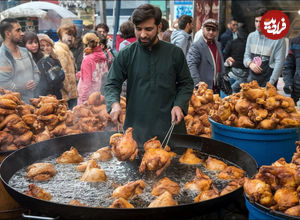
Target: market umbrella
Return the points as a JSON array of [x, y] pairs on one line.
[[17, 12]]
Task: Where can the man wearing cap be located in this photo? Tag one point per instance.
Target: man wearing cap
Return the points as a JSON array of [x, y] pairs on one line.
[[205, 58]]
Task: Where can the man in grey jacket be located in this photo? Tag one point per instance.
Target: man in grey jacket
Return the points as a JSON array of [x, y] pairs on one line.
[[18, 72], [182, 37], [263, 56], [205, 59]]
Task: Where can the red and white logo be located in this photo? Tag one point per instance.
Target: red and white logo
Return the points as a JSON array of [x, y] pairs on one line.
[[275, 24]]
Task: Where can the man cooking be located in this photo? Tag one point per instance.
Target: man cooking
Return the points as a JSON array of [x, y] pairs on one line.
[[159, 84]]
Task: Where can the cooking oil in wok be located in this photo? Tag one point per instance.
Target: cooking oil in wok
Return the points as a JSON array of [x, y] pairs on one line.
[[66, 185]]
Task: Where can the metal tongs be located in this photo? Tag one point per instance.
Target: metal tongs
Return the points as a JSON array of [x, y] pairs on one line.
[[168, 135]]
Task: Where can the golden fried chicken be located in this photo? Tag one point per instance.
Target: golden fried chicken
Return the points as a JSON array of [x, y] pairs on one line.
[[40, 171], [25, 109], [129, 190], [95, 99], [278, 176], [258, 191], [82, 166], [59, 130], [252, 91], [207, 194], [257, 114], [195, 101], [242, 106], [103, 154], [93, 173], [80, 111], [163, 200], [201, 182], [268, 124], [189, 157], [71, 156], [12, 96], [24, 139], [244, 122], [126, 148], [7, 103], [50, 120], [152, 143], [8, 147], [214, 164], [285, 198], [17, 126], [5, 138], [294, 211], [296, 156], [121, 203], [156, 159], [231, 172], [45, 135], [29, 119], [4, 111], [77, 203], [231, 186], [165, 184], [46, 109], [38, 192]]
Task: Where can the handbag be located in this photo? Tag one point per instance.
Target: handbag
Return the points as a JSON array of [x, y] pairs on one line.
[[223, 83]]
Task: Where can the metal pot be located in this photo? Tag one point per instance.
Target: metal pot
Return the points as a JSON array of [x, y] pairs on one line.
[[89, 142]]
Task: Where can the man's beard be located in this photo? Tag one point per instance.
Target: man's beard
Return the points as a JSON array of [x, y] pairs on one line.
[[16, 41], [150, 42]]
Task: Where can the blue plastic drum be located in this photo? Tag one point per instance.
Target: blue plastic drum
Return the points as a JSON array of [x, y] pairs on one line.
[[259, 212], [266, 146]]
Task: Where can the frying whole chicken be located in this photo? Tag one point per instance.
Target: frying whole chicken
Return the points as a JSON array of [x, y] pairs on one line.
[[103, 154], [156, 159], [129, 190], [124, 147], [93, 173], [258, 191], [38, 192], [77, 203], [121, 203], [165, 184], [40, 171], [207, 194], [214, 164], [189, 157], [201, 182], [163, 200], [231, 172], [71, 156]]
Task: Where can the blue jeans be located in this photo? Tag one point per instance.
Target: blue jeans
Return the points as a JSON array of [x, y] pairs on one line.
[[237, 76]]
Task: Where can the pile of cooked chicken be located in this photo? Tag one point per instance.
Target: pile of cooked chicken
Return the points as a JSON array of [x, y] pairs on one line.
[[257, 107], [201, 103], [277, 186], [155, 159], [22, 124]]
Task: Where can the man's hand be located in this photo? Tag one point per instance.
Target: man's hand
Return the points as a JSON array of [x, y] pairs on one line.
[[115, 113], [255, 68], [176, 114], [30, 85], [230, 61]]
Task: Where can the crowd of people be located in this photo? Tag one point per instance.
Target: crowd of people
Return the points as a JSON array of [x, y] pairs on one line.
[[155, 68]]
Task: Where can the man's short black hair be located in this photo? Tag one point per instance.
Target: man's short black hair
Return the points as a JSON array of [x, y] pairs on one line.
[[102, 25], [232, 19], [183, 21], [127, 30], [260, 12], [164, 25], [6, 24], [145, 12]]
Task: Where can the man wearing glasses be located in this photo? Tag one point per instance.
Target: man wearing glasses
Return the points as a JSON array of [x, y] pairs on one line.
[[205, 58]]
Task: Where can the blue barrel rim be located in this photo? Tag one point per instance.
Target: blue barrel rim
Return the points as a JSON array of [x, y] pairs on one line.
[[270, 211], [254, 131]]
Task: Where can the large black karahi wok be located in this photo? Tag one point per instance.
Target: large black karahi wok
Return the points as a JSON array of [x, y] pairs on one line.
[[90, 142]]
